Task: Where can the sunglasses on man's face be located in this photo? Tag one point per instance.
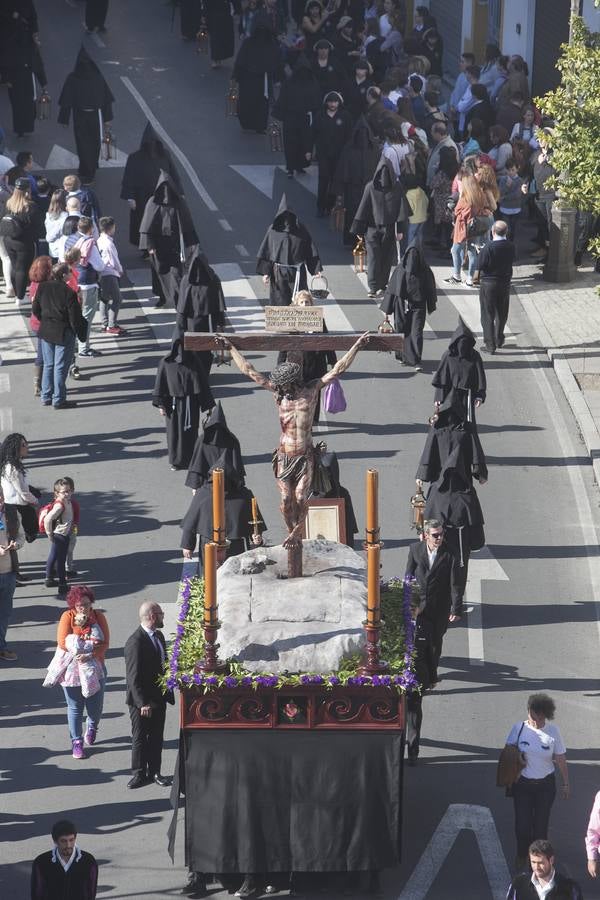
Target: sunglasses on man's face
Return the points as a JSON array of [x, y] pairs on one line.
[[436, 535]]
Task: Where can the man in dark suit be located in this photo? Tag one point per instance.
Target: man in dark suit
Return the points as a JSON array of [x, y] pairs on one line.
[[145, 653], [495, 267], [441, 583]]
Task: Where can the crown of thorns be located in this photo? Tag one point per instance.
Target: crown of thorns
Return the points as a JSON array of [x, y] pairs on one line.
[[285, 373]]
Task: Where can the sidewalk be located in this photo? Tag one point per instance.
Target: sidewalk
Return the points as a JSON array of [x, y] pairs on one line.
[[566, 320]]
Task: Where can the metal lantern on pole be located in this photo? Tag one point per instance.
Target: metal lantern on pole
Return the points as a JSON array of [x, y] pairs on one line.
[[202, 38], [417, 509], [338, 215], [43, 106], [109, 145], [231, 100], [275, 139], [360, 255]]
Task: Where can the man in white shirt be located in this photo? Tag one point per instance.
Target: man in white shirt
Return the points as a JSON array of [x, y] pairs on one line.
[[467, 101], [66, 870], [461, 84], [544, 882]]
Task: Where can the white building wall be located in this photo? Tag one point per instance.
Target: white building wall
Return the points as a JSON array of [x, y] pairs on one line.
[[591, 14], [518, 25]]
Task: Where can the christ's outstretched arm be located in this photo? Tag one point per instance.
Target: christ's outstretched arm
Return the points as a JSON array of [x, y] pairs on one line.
[[242, 363], [346, 361]]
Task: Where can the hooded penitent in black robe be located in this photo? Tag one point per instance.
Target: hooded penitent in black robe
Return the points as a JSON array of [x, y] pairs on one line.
[[238, 512], [452, 458], [357, 164], [21, 65], [299, 99], [219, 22], [167, 231], [410, 295], [95, 14], [331, 135], [382, 214], [201, 304], [87, 94], [216, 439], [182, 390], [460, 374], [191, 18], [257, 65], [286, 252], [326, 483], [142, 171]]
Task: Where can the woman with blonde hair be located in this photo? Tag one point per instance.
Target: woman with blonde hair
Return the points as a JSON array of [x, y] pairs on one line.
[[472, 206], [20, 227]]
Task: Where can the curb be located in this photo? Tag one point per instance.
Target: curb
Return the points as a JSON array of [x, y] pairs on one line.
[[568, 383]]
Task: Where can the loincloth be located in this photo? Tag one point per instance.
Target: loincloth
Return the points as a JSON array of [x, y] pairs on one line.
[[291, 466]]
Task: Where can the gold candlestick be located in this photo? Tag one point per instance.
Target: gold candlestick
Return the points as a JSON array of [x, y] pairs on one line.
[[372, 506], [210, 584], [373, 594], [218, 498]]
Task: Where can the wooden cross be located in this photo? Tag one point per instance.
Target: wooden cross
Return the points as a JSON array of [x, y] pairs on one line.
[[271, 340]]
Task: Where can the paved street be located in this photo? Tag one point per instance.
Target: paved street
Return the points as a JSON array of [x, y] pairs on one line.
[[533, 592]]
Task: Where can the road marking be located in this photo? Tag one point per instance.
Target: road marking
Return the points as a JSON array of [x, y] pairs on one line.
[[241, 250], [4, 382], [263, 178], [189, 568], [225, 225], [17, 344], [244, 310], [201, 190], [161, 321], [97, 40], [60, 158], [459, 817], [465, 301], [362, 277], [483, 566], [6, 420]]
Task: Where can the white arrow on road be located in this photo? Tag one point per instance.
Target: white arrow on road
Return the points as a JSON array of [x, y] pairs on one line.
[[483, 566], [61, 158], [459, 817], [261, 177]]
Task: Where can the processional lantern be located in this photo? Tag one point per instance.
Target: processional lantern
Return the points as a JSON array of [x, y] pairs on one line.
[[360, 255], [417, 509], [109, 145], [43, 106], [222, 356], [231, 100], [274, 134], [202, 38], [338, 215]]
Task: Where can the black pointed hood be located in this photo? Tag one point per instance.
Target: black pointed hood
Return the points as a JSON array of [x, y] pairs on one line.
[[385, 177], [85, 67], [462, 333], [165, 192], [362, 135], [285, 218], [216, 440], [151, 142], [233, 478]]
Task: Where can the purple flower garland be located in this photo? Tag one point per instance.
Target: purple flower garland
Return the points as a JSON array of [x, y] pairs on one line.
[[406, 681]]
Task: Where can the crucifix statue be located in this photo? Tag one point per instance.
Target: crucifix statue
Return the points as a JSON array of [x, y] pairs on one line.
[[294, 458]]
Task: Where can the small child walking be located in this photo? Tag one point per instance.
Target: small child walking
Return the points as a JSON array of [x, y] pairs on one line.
[[71, 571], [110, 293], [58, 524]]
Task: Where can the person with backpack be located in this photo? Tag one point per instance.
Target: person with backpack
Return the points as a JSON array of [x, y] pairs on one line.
[[57, 308], [88, 201], [57, 519], [89, 269], [20, 227]]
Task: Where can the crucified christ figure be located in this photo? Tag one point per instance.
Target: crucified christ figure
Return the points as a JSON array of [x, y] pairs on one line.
[[293, 460]]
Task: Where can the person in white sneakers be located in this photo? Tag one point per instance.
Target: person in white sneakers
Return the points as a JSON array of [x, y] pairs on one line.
[[89, 269], [110, 294]]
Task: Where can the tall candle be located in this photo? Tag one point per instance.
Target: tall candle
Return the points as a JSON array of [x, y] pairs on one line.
[[373, 597], [218, 498], [372, 506], [254, 510], [210, 584]]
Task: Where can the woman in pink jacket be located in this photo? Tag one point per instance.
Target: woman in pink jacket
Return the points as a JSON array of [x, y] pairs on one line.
[[592, 839], [110, 293]]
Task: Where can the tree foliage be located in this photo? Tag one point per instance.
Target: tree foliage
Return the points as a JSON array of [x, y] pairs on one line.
[[575, 108]]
